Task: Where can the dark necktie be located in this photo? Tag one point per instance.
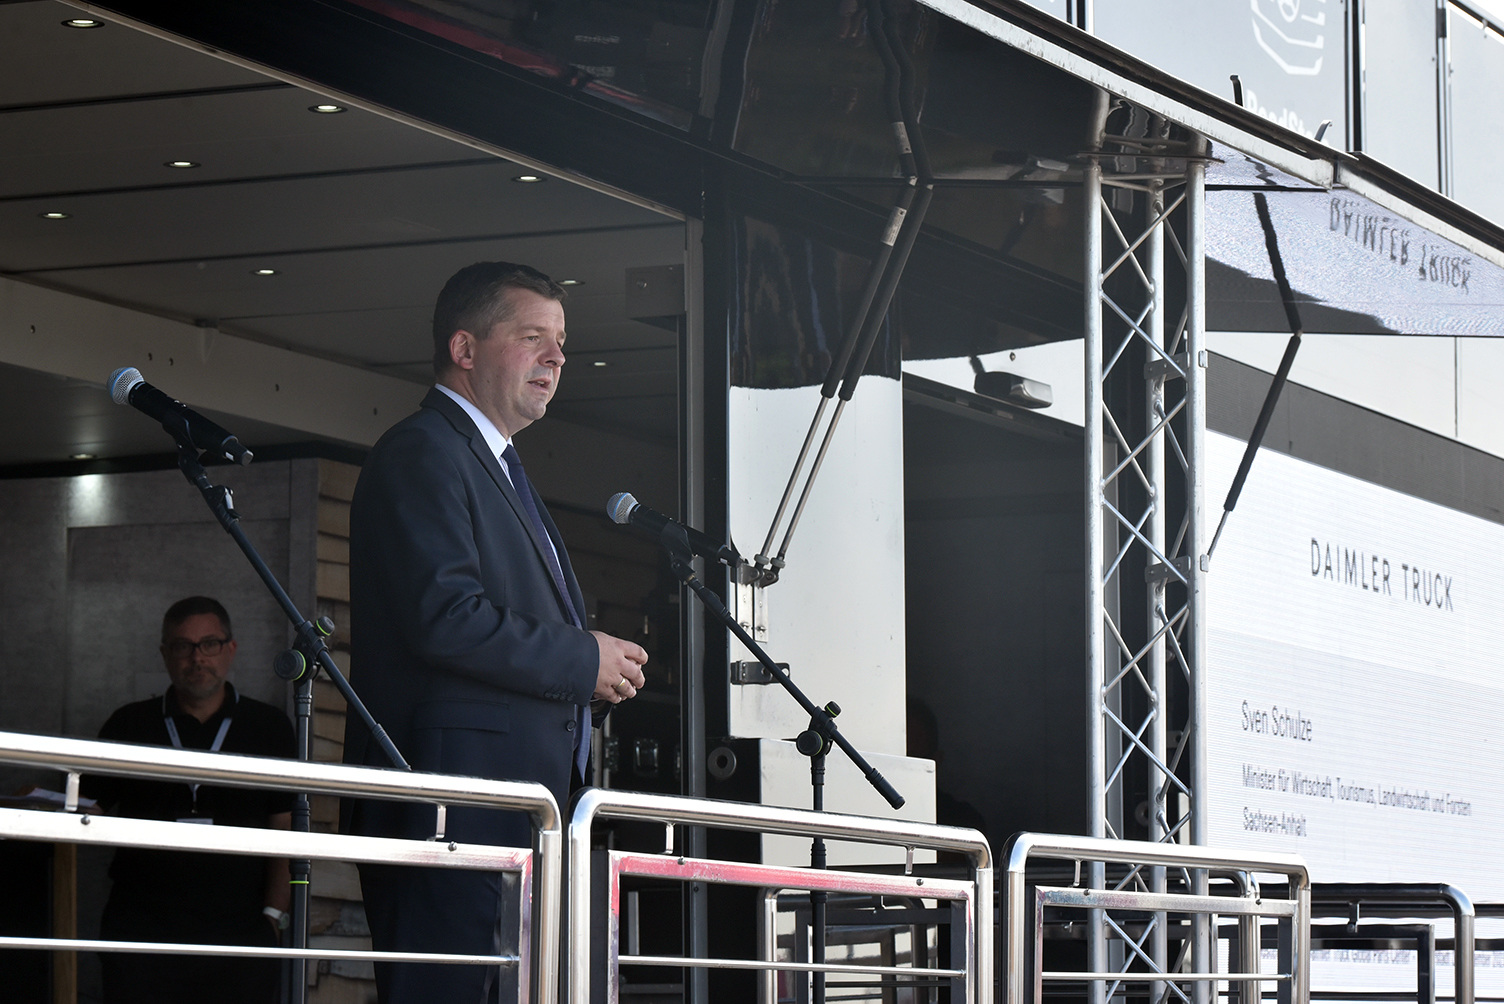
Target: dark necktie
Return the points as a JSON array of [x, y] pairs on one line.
[[525, 492], [550, 558]]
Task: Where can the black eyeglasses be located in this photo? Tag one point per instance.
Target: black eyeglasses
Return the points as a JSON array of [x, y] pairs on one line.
[[181, 647]]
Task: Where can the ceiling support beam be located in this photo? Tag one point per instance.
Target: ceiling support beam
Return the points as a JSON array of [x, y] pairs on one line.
[[73, 336]]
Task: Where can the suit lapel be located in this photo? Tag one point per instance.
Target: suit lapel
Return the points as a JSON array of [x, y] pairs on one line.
[[463, 424]]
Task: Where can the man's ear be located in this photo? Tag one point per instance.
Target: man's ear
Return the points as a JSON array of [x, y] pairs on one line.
[[462, 349]]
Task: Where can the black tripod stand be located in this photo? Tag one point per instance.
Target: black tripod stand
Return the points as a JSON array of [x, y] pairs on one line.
[[814, 742], [298, 665]]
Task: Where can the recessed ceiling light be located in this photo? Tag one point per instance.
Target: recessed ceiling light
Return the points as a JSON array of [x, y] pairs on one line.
[[80, 456], [181, 163], [82, 22], [264, 271], [599, 362], [529, 179], [571, 282], [326, 109], [54, 215]]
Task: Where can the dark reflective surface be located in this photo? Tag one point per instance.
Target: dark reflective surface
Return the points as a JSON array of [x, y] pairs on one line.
[[803, 87], [1000, 128], [1035, 223], [800, 87], [813, 101], [793, 299], [812, 97], [642, 54], [991, 111], [936, 326]]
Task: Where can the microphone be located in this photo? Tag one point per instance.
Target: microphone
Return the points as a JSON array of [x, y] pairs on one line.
[[626, 510], [126, 386]]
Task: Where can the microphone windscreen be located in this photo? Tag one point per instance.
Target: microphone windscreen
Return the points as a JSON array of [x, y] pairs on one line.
[[619, 507], [122, 382]]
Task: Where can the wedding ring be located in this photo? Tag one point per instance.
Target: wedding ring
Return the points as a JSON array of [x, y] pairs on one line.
[[617, 685]]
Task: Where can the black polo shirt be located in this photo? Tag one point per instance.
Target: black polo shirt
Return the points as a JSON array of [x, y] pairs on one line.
[[191, 884]]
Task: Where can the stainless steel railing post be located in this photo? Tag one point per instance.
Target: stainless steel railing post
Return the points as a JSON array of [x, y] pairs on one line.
[[592, 804], [1294, 911]]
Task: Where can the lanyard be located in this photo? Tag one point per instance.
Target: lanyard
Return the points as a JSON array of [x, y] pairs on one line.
[[177, 741]]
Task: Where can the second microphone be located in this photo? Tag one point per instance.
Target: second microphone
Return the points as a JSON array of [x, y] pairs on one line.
[[626, 510]]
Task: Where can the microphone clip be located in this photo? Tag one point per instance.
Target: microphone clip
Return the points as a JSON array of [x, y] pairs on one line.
[[674, 539]]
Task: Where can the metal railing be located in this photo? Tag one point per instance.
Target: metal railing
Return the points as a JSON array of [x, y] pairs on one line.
[[972, 899], [1411, 899], [1292, 913], [542, 885], [891, 926], [539, 882]]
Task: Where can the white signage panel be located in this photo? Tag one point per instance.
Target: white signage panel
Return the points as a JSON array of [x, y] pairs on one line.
[[1354, 685]]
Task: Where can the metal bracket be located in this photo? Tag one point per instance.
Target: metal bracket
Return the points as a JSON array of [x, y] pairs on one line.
[[1158, 572], [1164, 369], [750, 605], [647, 757], [753, 674], [611, 753]]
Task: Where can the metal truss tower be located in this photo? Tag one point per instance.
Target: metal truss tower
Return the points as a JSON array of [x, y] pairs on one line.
[[1145, 426]]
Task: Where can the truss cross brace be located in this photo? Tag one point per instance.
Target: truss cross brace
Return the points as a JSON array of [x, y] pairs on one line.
[[1144, 487]]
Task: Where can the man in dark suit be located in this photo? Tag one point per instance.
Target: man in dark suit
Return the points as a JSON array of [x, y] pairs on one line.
[[467, 625]]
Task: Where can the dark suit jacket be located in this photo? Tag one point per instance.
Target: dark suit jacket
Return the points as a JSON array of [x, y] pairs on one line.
[[461, 648]]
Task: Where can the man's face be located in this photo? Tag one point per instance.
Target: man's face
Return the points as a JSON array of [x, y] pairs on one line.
[[513, 372], [194, 674]]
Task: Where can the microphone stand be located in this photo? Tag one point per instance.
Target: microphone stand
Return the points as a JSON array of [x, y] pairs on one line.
[[298, 665], [814, 742]]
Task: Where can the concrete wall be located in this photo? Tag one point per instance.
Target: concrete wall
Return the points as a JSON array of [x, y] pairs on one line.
[[91, 563]]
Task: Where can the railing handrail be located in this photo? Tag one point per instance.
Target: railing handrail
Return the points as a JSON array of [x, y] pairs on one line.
[[593, 803], [645, 807], [252, 841], [1063, 847], [1395, 894], [1409, 894], [93, 756]]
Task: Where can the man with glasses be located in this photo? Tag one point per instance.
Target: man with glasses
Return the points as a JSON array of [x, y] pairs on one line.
[[196, 898]]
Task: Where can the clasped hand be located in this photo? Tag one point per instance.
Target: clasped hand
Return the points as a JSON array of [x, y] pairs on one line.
[[620, 676]]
